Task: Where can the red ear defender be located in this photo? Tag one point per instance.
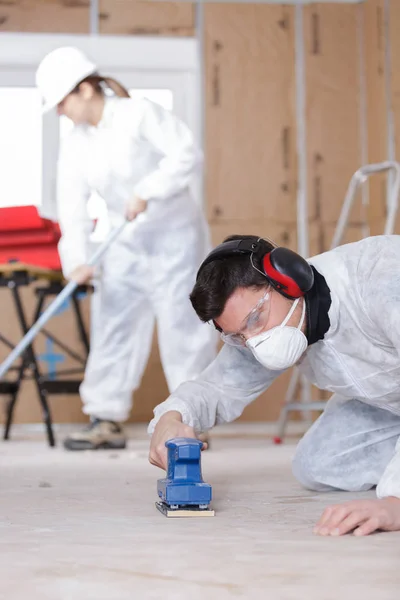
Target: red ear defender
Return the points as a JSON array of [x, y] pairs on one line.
[[288, 273]]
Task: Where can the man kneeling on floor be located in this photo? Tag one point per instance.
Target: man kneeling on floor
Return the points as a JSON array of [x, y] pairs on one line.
[[336, 316]]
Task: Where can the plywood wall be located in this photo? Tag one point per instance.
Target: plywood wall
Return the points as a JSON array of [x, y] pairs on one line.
[[382, 63], [55, 16], [251, 162], [250, 116], [394, 29], [127, 17], [332, 105], [375, 76], [144, 17], [250, 119]]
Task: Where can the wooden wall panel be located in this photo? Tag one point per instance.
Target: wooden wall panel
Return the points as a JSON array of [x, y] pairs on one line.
[[146, 17], [394, 28], [374, 53], [321, 235], [280, 233], [250, 132], [123, 17], [332, 106], [45, 16]]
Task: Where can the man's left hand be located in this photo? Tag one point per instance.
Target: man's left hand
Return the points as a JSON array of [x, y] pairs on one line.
[[361, 517], [134, 207]]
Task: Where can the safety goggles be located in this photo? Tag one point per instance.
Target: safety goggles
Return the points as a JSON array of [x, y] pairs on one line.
[[254, 324]]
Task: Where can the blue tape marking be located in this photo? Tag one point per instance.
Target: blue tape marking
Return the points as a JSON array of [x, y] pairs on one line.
[[52, 359]]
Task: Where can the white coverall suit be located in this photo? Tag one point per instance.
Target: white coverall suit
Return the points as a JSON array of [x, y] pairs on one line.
[[352, 446], [137, 149]]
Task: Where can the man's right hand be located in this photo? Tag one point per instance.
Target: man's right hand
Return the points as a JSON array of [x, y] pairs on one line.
[[82, 274], [169, 426]]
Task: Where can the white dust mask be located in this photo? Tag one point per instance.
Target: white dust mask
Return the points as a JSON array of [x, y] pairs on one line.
[[282, 346]]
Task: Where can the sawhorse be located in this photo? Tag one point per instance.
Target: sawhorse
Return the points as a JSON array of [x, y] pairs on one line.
[[13, 277]]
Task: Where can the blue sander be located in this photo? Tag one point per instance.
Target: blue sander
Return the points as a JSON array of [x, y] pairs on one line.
[[183, 492]]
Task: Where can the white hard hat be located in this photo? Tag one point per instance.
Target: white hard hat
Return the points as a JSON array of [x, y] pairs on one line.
[[60, 72]]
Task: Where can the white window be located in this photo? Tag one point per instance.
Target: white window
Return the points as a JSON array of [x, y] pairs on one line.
[[21, 146]]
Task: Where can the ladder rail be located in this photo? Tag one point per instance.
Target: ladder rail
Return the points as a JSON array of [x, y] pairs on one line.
[[358, 179]]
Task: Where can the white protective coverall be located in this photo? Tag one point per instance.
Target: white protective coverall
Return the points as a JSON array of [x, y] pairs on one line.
[[352, 446], [141, 149]]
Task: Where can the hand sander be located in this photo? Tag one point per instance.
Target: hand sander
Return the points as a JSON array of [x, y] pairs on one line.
[[183, 492]]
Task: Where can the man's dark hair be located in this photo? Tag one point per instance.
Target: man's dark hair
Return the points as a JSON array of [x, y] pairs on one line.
[[217, 281]]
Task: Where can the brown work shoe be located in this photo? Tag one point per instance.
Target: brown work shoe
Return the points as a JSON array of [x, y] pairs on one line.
[[98, 435]]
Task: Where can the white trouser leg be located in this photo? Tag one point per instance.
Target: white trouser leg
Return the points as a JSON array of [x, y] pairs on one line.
[[187, 346], [389, 484], [347, 448], [121, 342]]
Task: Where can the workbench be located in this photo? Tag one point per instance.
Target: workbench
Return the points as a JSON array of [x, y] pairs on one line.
[[14, 276]]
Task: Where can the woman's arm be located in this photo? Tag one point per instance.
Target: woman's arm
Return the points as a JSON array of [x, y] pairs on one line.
[[72, 196], [170, 137]]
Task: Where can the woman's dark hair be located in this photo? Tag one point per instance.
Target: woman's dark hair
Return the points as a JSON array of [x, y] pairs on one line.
[[97, 82], [217, 281]]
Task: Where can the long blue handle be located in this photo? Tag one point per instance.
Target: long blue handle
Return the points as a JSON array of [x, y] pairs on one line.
[[55, 305]]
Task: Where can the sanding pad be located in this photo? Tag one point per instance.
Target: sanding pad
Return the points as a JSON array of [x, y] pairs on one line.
[[189, 511]]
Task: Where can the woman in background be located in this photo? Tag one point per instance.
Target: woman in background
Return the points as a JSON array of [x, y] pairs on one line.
[[139, 158]]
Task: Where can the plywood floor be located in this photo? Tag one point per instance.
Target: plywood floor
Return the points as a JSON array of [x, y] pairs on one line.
[[84, 526]]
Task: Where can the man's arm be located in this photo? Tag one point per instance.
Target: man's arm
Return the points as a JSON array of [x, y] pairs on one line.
[[219, 395]]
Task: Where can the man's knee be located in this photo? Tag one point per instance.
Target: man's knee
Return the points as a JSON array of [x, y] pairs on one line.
[[307, 467], [319, 469]]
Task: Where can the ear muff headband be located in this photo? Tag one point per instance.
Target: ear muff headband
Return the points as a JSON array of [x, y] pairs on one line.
[[232, 248], [288, 272]]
